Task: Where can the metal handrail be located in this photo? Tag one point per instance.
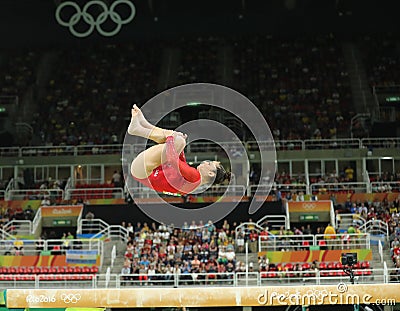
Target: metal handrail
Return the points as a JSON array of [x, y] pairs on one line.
[[345, 186], [9, 187], [113, 255], [116, 192], [293, 242], [385, 186], [376, 226], [335, 241], [307, 144], [22, 227], [36, 222], [343, 143], [273, 219], [232, 279], [99, 228], [21, 194], [349, 220], [380, 250]]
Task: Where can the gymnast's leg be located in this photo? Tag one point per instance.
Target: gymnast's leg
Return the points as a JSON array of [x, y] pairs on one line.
[[139, 126], [149, 159]]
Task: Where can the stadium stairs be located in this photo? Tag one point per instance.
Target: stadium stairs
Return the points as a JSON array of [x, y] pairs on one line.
[[363, 99], [107, 259]]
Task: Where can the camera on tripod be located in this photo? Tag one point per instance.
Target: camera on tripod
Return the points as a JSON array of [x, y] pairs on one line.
[[349, 259]]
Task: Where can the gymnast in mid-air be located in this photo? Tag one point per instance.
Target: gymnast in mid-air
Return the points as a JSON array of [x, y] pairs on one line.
[[163, 167]]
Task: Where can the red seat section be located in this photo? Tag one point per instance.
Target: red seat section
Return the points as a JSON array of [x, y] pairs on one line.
[[47, 273]]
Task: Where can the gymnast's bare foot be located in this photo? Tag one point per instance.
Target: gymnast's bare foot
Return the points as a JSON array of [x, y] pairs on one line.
[[135, 127], [142, 119]]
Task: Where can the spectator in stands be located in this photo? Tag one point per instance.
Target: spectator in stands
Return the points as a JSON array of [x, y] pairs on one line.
[[253, 241], [393, 245], [138, 227], [116, 179], [125, 271], [130, 229], [345, 240], [39, 244], [349, 171], [66, 244], [29, 213], [240, 240], [307, 230], [18, 248], [46, 201]]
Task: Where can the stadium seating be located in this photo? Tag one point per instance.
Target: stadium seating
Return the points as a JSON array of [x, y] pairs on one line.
[[76, 273]]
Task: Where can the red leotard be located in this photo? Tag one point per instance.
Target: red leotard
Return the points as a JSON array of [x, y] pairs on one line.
[[175, 175]]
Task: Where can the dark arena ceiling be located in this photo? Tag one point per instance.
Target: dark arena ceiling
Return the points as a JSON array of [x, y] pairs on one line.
[[30, 22]]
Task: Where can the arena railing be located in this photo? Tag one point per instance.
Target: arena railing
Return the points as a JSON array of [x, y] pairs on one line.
[[321, 277], [247, 226], [143, 193], [347, 220], [101, 149], [98, 228], [231, 190], [273, 222], [387, 273], [380, 251], [37, 221], [230, 279], [286, 242], [303, 242], [357, 187], [264, 190], [35, 247], [349, 143], [18, 227], [386, 142], [48, 151], [393, 275], [95, 193], [246, 278], [92, 226], [10, 186], [74, 244], [37, 194], [10, 152], [385, 186], [279, 145], [343, 241], [376, 227], [200, 147], [113, 255], [5, 236]]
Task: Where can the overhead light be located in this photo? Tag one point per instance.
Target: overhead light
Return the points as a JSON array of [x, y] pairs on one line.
[[387, 158]]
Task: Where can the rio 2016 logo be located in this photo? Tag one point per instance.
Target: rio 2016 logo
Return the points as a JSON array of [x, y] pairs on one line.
[[40, 299], [208, 96]]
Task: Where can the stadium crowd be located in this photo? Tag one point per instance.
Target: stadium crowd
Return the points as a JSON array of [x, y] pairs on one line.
[[302, 82]]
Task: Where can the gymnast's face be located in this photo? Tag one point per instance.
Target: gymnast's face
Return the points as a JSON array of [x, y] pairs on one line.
[[208, 169]]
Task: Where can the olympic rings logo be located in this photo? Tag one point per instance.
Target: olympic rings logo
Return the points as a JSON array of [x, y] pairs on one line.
[[91, 21], [309, 206], [70, 298]]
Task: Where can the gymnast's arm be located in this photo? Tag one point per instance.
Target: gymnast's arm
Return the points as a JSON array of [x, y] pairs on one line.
[[177, 160]]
